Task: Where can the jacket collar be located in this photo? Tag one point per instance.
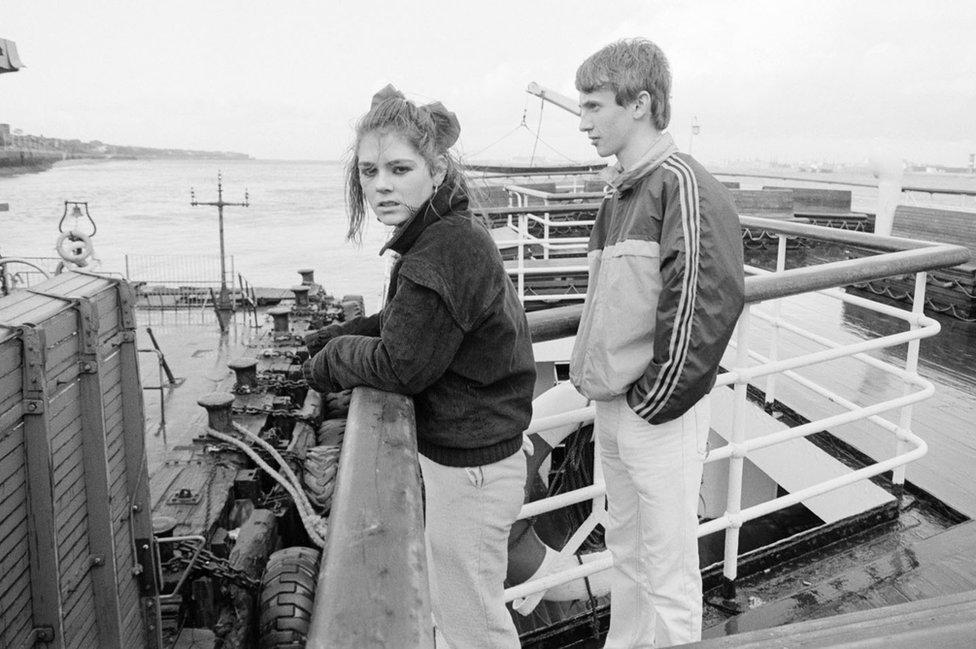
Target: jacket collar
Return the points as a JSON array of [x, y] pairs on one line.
[[446, 200], [621, 180]]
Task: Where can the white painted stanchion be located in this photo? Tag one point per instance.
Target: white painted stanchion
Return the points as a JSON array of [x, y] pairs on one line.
[[889, 170]]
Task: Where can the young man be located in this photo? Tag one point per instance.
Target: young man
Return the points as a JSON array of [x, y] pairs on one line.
[[665, 292]]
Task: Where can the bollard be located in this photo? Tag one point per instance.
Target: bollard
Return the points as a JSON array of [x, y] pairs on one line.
[[218, 406], [280, 315], [301, 295], [308, 276], [246, 371]]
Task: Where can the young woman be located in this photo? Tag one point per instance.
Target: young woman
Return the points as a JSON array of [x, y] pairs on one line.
[[453, 335]]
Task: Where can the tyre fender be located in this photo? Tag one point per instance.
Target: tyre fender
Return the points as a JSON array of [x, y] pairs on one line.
[[287, 598], [528, 556]]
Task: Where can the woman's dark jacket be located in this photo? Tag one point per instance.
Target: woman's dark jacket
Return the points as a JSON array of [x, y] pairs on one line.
[[452, 334]]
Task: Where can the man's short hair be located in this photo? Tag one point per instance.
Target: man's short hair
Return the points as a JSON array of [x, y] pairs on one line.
[[626, 68]]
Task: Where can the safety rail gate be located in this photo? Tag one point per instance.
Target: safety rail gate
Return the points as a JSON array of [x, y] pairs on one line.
[[75, 527], [746, 366]]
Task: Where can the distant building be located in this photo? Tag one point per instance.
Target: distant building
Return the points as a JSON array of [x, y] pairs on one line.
[[5, 138]]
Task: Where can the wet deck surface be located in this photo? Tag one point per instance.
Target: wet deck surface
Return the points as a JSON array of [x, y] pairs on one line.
[[877, 568], [946, 622], [197, 355]]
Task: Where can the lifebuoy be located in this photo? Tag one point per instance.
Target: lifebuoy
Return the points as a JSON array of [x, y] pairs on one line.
[[74, 247], [528, 556]]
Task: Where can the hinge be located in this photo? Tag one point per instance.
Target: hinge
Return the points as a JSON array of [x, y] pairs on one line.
[[34, 359]]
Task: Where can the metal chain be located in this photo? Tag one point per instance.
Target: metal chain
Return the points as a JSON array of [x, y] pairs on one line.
[[209, 563], [285, 413], [277, 380]]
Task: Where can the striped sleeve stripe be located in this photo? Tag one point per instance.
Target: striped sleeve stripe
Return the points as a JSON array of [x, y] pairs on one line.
[[667, 379]]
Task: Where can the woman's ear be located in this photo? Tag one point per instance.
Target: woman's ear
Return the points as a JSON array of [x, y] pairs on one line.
[[439, 170]]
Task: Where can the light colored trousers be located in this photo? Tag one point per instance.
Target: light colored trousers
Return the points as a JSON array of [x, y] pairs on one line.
[[653, 475], [469, 514]]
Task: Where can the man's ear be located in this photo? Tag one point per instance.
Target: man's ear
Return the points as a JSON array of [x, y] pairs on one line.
[[642, 105]]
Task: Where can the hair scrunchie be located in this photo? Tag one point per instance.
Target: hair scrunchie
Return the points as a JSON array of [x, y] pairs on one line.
[[446, 124]]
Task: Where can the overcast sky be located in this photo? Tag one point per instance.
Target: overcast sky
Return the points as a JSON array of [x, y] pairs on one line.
[[798, 81]]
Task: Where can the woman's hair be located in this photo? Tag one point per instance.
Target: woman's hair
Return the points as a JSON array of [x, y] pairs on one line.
[[430, 129]]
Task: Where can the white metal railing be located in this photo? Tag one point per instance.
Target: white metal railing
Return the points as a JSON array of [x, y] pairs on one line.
[[571, 192], [747, 366], [523, 240]]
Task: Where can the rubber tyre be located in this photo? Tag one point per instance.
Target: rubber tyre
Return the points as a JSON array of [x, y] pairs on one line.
[[287, 596]]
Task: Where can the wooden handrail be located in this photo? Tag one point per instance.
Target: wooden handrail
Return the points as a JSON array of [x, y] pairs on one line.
[[372, 589]]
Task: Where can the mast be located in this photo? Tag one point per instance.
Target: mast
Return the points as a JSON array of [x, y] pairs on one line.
[[553, 97], [223, 306]]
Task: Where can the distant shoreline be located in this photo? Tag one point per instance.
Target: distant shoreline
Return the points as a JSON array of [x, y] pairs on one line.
[[19, 170]]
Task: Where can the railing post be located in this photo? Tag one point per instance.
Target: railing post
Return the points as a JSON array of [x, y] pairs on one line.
[[545, 235], [523, 235], [774, 336], [734, 500], [889, 170], [911, 365]]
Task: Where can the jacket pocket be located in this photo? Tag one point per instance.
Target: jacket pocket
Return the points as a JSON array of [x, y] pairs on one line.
[[619, 345]]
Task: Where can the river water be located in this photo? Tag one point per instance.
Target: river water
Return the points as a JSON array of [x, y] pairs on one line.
[[142, 208]]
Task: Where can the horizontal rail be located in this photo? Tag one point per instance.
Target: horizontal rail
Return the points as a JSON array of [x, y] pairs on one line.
[[564, 242], [552, 196], [897, 257], [851, 183], [503, 170], [562, 208], [546, 270]]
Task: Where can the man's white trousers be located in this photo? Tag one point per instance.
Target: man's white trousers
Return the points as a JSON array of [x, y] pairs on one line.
[[653, 475]]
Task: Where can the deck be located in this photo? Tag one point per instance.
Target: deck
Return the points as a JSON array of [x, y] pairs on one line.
[[922, 594]]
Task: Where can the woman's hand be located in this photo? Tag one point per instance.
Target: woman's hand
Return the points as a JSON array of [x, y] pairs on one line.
[[317, 339], [316, 373]]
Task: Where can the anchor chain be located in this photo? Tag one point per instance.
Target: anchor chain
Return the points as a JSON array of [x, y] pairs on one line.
[[269, 382], [284, 413], [207, 562]]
